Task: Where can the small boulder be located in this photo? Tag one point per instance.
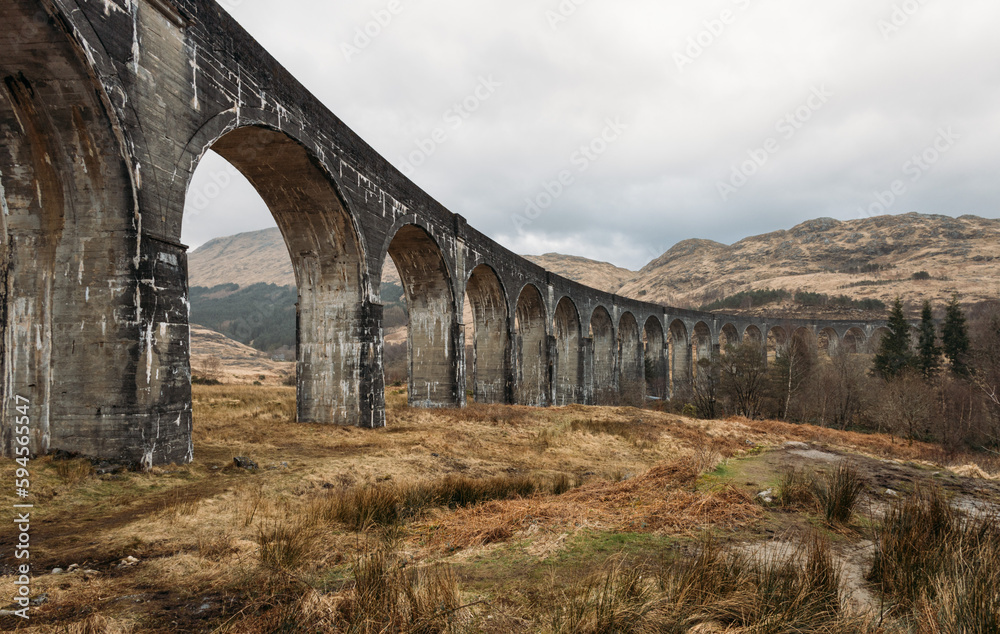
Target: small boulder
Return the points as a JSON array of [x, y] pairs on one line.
[[242, 462], [58, 571], [799, 446]]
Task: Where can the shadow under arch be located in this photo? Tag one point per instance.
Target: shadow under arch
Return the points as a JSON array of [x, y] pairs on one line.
[[632, 381], [655, 358], [490, 369], [568, 362], [434, 340], [332, 351], [533, 368], [680, 356], [604, 390]]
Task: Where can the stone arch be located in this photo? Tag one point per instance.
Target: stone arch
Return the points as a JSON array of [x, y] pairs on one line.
[[827, 341], [491, 337], [656, 371], [855, 341], [753, 333], [680, 355], [701, 346], [602, 331], [631, 382], [729, 336], [329, 265], [875, 341], [568, 372], [79, 275], [533, 379], [777, 336], [434, 344]]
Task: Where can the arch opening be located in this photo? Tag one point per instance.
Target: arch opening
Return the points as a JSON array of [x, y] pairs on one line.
[[434, 337], [602, 331], [701, 348], [328, 268], [827, 342], [728, 337], [680, 357], [632, 381], [655, 366], [777, 338], [534, 370], [490, 363], [855, 341], [568, 373]]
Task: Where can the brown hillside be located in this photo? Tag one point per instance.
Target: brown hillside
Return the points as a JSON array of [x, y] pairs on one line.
[[829, 256], [867, 258], [600, 275]]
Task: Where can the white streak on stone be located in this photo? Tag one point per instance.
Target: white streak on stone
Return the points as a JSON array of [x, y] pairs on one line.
[[194, 78]]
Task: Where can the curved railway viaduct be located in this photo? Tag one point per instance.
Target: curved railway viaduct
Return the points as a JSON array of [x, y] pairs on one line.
[[106, 109]]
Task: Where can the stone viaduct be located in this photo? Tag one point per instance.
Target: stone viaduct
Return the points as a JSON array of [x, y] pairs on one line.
[[106, 108]]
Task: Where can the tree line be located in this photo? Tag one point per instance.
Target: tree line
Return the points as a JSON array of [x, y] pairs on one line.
[[937, 382]]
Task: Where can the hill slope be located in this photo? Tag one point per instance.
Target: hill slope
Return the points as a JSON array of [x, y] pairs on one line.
[[871, 258], [868, 258]]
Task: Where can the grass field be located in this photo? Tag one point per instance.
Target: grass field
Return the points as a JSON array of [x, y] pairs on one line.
[[504, 519]]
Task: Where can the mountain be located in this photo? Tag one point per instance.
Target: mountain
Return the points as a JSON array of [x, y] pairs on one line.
[[913, 256], [600, 275], [256, 257], [868, 260]]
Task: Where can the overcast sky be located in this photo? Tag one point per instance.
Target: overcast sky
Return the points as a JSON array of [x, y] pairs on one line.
[[712, 119]]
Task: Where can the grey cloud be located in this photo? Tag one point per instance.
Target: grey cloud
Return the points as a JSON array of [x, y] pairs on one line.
[[657, 184]]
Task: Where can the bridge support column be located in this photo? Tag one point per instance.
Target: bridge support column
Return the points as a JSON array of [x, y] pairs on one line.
[[587, 371], [372, 383], [682, 375]]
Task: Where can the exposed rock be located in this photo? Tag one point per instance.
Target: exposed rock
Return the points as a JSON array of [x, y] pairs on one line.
[[243, 462]]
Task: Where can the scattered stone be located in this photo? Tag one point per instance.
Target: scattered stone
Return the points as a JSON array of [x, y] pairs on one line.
[[73, 568], [891, 493], [41, 599], [58, 571], [767, 496], [128, 561], [801, 446], [108, 468], [242, 462], [434, 455]]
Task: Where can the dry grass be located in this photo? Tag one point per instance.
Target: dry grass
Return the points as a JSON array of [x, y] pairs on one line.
[[278, 549]]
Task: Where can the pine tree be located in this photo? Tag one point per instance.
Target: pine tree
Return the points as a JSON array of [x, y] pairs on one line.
[[928, 352], [955, 338], [894, 355]]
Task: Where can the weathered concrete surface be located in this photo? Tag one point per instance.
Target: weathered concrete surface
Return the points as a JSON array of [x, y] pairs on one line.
[[106, 109]]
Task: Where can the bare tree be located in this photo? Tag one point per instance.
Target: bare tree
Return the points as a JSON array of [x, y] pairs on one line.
[[744, 378]]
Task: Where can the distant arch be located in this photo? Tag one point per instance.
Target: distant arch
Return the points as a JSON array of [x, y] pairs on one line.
[[680, 356], [729, 336], [656, 372], [602, 331], [701, 348], [777, 337], [533, 368], [569, 367], [632, 381], [431, 346], [827, 341], [855, 341], [490, 369], [752, 333]]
